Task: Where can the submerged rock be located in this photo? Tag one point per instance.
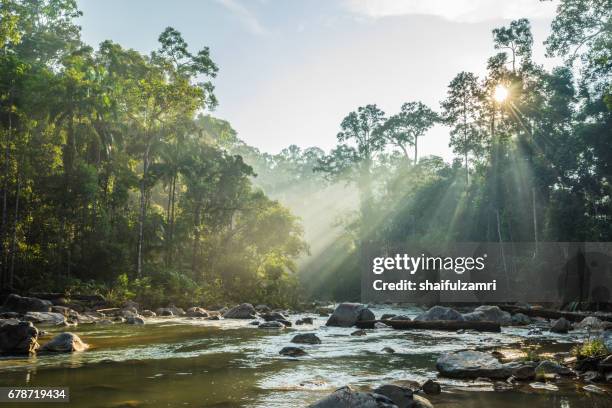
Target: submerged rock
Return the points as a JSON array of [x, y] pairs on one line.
[[388, 350], [489, 314], [292, 352], [472, 364], [65, 343], [348, 314], [23, 304], [306, 338], [17, 337], [345, 397], [305, 320], [271, 325], [46, 318], [561, 326], [550, 367], [243, 311], [135, 320], [440, 313], [544, 386], [359, 332]]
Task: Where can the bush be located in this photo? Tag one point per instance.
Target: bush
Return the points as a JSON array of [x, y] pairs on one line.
[[590, 348]]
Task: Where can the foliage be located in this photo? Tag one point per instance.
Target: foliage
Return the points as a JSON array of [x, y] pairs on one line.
[[590, 348]]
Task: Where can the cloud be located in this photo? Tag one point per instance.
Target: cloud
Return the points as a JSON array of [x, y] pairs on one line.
[[244, 15], [464, 11]]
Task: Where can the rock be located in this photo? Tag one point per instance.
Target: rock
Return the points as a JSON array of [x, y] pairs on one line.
[[440, 313], [148, 313], [401, 317], [431, 387], [273, 316], [135, 320], [592, 376], [472, 364], [594, 389], [359, 332], [388, 350], [421, 402], [534, 332], [524, 372], [387, 316], [489, 314], [605, 365], [550, 367], [544, 386], [304, 320], [306, 338], [65, 343], [243, 311], [561, 326], [520, 319], [292, 352], [606, 338], [381, 325], [348, 314], [87, 317], [46, 318], [401, 396], [345, 397], [214, 317], [287, 323], [262, 308], [129, 312], [23, 304], [17, 337], [325, 310], [255, 323], [164, 311], [271, 325], [176, 311], [119, 319], [590, 323], [196, 312]]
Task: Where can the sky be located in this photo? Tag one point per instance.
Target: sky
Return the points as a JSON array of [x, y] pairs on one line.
[[291, 70]]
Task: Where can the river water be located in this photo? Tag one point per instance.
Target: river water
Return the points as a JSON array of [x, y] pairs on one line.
[[172, 362]]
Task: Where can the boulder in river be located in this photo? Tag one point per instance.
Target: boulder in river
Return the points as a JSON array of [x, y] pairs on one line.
[[148, 313], [431, 387], [561, 325], [606, 338], [262, 308], [164, 311], [273, 316], [243, 311], [304, 320], [524, 372], [17, 337], [439, 313], [489, 314], [346, 397], [292, 352], [400, 396], [196, 312], [359, 332], [348, 314], [46, 318], [135, 320], [591, 323], [401, 317], [306, 338], [65, 343], [472, 364], [23, 304]]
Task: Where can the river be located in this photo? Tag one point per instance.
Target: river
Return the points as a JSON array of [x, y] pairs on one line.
[[228, 363]]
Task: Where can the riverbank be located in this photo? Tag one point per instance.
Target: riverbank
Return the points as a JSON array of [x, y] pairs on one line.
[[202, 361]]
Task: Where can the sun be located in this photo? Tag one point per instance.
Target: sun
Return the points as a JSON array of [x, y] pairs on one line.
[[500, 93]]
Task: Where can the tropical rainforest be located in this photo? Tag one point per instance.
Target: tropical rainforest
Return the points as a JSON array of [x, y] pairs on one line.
[[118, 179]]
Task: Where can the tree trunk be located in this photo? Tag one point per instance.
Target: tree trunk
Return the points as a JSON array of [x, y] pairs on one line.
[[416, 156], [141, 215], [535, 221], [11, 274]]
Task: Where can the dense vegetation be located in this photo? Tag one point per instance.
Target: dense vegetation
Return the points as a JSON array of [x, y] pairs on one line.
[[111, 184], [115, 179]]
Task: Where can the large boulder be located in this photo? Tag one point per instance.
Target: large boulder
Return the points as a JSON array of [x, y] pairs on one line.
[[489, 314], [292, 352], [520, 319], [196, 312], [273, 316], [243, 311], [472, 364], [606, 338], [550, 367], [591, 323], [23, 304], [17, 337], [65, 343], [164, 311], [306, 338], [46, 318], [348, 314], [401, 396], [440, 313], [561, 326], [272, 325], [345, 397]]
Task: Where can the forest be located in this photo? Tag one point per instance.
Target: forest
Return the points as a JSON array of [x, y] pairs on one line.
[[118, 179]]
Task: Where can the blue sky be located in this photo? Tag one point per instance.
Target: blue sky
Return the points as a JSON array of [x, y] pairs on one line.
[[291, 70]]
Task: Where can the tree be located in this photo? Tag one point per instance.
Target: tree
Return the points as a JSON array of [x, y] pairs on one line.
[[517, 39], [462, 110]]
